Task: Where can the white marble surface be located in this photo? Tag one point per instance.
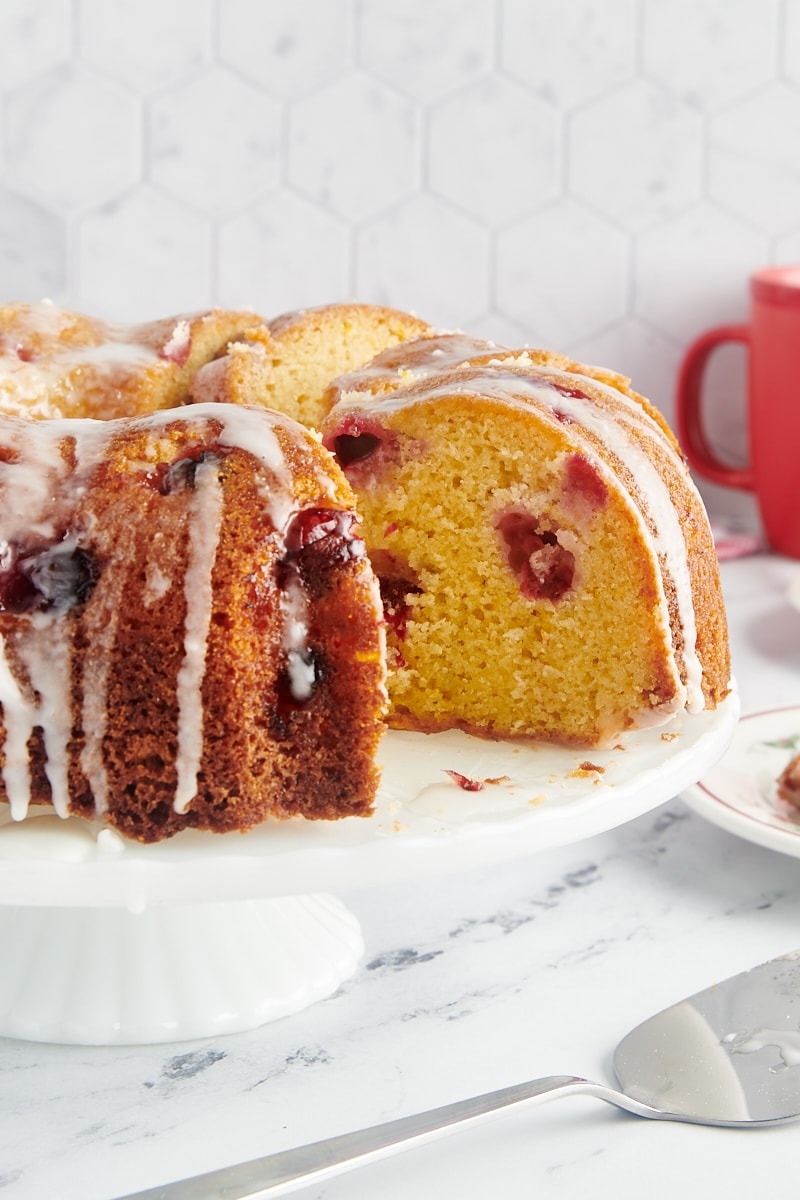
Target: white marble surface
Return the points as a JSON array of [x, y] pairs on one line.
[[469, 983]]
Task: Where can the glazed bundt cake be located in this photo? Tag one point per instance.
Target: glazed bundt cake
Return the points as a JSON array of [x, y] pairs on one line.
[[191, 631], [546, 564], [288, 363], [56, 363]]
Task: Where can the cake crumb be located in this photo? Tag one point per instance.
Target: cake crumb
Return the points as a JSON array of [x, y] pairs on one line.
[[463, 781], [586, 768], [789, 782]]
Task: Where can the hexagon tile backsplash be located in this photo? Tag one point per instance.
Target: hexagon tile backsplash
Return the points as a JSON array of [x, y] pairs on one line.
[[597, 176]]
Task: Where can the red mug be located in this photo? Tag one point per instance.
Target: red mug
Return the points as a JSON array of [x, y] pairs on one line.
[[772, 337]]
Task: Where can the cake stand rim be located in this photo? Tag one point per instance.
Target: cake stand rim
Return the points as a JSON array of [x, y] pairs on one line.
[[396, 844]]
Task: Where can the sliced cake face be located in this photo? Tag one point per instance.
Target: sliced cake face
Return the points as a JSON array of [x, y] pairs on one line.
[[526, 526], [288, 363], [190, 626], [55, 363]]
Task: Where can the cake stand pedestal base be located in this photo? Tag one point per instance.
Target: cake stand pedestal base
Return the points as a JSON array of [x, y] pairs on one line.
[[108, 976]]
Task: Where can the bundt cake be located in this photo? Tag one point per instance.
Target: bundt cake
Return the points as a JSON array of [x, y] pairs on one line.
[[190, 630], [56, 363], [546, 564], [196, 577], [288, 363]]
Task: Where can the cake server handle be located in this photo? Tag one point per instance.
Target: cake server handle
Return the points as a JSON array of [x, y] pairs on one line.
[[279, 1174]]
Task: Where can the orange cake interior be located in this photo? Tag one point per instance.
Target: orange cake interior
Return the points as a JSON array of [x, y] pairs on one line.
[[546, 564]]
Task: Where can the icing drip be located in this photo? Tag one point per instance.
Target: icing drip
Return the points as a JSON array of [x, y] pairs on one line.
[[299, 664], [46, 655], [18, 721], [244, 427], [204, 529]]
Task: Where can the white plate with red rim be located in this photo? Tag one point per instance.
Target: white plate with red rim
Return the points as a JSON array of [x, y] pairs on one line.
[[740, 792]]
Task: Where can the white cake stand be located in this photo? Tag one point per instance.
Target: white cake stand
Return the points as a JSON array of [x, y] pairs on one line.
[[104, 941]]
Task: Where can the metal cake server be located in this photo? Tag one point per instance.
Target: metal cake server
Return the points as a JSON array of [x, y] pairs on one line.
[[729, 1055]]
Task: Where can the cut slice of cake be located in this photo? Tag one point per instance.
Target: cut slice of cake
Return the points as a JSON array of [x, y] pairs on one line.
[[546, 563]]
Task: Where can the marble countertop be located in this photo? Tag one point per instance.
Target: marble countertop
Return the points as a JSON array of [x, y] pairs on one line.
[[469, 983]]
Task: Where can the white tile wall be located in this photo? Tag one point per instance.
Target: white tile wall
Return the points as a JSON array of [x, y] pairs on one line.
[[599, 176]]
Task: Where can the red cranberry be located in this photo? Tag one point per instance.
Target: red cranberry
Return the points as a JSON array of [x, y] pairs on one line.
[[327, 532], [583, 477], [396, 609], [360, 446], [314, 524], [565, 390], [318, 540], [354, 447], [544, 568], [54, 579], [167, 478], [464, 781]]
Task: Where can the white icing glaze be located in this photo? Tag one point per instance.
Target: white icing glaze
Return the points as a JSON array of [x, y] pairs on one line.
[[204, 528], [411, 362], [47, 658], [245, 427], [18, 721], [299, 667], [62, 367]]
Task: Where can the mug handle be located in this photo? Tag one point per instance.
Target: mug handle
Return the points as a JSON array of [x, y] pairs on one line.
[[691, 433]]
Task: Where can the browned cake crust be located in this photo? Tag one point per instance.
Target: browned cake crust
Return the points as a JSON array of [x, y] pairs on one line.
[[192, 628]]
